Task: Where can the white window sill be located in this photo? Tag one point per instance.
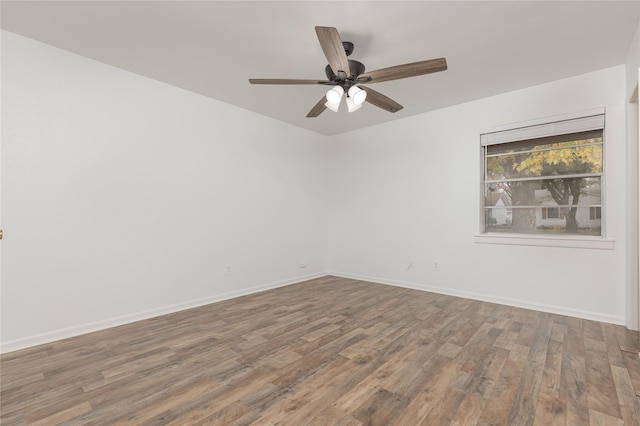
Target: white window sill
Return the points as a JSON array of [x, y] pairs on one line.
[[546, 241]]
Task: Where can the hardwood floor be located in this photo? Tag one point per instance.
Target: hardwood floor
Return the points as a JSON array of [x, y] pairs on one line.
[[333, 351]]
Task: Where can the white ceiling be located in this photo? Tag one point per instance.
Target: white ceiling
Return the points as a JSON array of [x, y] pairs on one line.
[[214, 47]]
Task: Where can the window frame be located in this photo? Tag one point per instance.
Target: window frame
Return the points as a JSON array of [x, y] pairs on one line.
[[552, 212], [593, 119]]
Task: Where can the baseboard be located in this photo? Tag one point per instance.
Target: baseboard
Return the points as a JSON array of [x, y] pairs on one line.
[[52, 336], [553, 309]]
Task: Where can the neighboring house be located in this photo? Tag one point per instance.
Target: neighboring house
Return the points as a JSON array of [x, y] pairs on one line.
[[549, 215], [501, 213]]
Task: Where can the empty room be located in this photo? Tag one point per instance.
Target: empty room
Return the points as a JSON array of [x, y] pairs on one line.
[[319, 213]]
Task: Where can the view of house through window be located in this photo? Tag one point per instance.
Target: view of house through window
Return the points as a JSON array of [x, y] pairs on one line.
[[548, 185]]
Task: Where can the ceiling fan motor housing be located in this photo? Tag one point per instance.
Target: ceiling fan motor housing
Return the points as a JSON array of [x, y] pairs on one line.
[[356, 69]]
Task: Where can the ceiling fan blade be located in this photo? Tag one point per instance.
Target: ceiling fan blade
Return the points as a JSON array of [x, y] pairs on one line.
[[333, 50], [318, 108], [404, 71], [380, 100], [286, 81]]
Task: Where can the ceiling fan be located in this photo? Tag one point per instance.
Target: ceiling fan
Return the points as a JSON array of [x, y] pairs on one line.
[[347, 76]]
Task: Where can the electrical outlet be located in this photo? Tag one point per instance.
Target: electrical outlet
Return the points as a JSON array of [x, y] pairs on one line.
[[228, 270], [436, 266]]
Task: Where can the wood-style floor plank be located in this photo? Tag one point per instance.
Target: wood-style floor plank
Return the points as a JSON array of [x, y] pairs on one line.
[[332, 351]]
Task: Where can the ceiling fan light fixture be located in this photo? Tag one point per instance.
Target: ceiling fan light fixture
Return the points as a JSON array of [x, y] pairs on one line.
[[352, 106], [334, 95], [357, 95]]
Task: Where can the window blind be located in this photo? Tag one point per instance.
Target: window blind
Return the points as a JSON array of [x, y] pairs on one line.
[[571, 123]]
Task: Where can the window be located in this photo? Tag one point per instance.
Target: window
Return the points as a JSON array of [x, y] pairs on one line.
[[545, 178], [552, 212]]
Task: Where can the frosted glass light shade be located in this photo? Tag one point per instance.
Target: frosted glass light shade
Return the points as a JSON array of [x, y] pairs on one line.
[[351, 105], [332, 107], [334, 95], [357, 95]]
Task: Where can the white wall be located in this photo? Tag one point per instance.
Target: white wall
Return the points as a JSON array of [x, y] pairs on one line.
[[123, 197], [408, 192], [632, 72], [632, 65]]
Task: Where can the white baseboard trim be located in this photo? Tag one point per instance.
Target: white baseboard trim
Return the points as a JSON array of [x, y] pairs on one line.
[[553, 309], [52, 336]]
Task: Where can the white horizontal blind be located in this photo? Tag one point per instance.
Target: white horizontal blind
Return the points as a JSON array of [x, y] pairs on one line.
[[571, 123]]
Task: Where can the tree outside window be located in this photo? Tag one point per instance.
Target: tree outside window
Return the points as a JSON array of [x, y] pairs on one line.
[[551, 185]]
